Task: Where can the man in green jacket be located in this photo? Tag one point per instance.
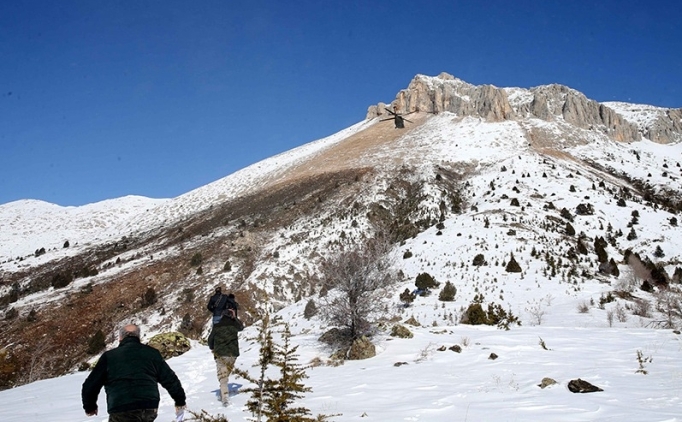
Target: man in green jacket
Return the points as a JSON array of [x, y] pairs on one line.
[[130, 375], [224, 343]]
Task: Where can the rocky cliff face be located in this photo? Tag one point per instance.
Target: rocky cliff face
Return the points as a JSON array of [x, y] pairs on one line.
[[445, 93], [666, 128]]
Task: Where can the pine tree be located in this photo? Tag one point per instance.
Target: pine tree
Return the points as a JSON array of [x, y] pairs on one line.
[[513, 266], [448, 293], [96, 343], [407, 297], [273, 400], [632, 235]]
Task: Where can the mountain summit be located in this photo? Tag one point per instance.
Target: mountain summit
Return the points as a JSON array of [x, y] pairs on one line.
[[557, 104], [581, 195]]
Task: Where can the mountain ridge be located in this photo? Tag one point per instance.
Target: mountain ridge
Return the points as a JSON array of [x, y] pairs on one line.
[[499, 182]]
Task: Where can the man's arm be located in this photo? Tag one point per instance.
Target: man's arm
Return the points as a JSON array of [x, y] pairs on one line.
[[93, 384], [171, 383], [211, 339]]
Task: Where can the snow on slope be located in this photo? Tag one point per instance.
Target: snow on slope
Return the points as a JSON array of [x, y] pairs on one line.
[[430, 385], [239, 183], [642, 115], [444, 385], [28, 225]]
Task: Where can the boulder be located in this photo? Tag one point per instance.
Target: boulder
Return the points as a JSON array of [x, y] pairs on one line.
[[361, 348], [170, 344], [335, 336], [413, 322], [546, 382], [401, 331], [581, 386]]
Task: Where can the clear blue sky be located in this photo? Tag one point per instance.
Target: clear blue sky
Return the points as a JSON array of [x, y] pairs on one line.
[[102, 99]]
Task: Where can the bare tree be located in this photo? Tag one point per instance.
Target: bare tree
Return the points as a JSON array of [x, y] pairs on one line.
[[669, 303], [630, 280], [536, 311], [356, 279]]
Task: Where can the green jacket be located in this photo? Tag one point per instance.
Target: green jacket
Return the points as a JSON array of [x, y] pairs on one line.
[[223, 339], [130, 374]]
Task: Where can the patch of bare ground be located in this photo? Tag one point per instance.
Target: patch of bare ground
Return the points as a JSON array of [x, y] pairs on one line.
[[351, 152]]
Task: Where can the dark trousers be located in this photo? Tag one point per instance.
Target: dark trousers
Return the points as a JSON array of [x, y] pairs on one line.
[[141, 415]]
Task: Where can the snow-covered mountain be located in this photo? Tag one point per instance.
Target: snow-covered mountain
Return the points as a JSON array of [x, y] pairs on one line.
[[543, 174]]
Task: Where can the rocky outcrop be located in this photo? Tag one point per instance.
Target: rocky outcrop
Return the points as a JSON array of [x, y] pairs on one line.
[[170, 344], [445, 93], [401, 331], [667, 128], [361, 348]]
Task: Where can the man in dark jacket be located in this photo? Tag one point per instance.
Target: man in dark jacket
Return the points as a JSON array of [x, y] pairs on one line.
[[219, 302], [224, 342], [130, 374]]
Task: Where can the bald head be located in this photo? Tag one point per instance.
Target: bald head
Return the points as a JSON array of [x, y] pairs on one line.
[[130, 330]]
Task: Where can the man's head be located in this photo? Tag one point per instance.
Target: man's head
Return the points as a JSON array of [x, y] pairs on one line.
[[218, 290], [130, 330], [229, 313]]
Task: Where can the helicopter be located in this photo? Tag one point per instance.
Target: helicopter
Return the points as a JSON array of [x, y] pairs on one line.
[[398, 118]]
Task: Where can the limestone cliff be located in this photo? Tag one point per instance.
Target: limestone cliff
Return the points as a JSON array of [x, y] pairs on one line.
[[552, 103]]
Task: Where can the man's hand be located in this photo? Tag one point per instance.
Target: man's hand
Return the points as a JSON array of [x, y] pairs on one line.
[[180, 413], [93, 413]]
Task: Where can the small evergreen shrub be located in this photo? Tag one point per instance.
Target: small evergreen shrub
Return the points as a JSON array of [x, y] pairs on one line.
[[448, 293], [149, 297], [196, 260], [60, 280], [479, 260], [603, 300], [475, 315], [600, 249], [275, 399], [407, 297], [513, 266], [204, 416], [632, 235], [11, 313], [96, 343], [566, 214], [310, 309], [425, 281], [584, 209]]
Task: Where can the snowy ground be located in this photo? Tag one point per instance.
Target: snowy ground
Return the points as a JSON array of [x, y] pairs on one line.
[[434, 385]]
